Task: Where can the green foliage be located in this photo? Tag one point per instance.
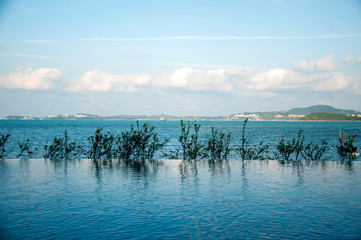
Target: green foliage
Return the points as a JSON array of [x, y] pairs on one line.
[[286, 149], [255, 152], [314, 152], [139, 143], [298, 144], [101, 145], [192, 148], [26, 150], [323, 116], [218, 145], [174, 154], [258, 152], [243, 150], [125, 145], [3, 139], [61, 149], [146, 142], [346, 147]]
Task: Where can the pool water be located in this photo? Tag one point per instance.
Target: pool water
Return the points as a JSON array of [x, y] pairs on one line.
[[173, 199]]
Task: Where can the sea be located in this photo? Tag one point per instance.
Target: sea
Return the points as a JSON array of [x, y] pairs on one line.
[[176, 199]]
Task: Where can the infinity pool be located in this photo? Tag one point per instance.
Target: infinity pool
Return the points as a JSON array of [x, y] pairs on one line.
[[174, 199]]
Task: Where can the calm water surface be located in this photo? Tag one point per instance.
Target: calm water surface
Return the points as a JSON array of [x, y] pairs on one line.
[[174, 200]]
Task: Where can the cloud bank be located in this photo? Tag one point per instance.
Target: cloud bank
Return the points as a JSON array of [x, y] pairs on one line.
[[98, 81], [37, 79], [322, 65], [318, 76]]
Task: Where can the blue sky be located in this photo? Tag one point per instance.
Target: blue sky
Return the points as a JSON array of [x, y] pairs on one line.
[[179, 57]]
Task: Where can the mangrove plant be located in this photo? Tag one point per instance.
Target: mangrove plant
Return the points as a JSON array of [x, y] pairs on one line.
[[3, 140], [314, 152], [26, 149], [192, 147], [218, 145], [249, 152], [101, 145], [61, 148], [346, 148], [287, 148], [146, 142]]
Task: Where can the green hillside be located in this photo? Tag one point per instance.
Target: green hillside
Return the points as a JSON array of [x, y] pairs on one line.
[[321, 116], [321, 109]]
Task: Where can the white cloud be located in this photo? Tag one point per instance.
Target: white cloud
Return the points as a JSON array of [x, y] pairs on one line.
[[336, 82], [275, 79], [321, 65], [347, 59], [357, 87], [304, 66], [30, 79], [280, 79], [201, 38], [98, 81], [268, 83], [326, 64], [199, 80], [355, 84], [358, 60]]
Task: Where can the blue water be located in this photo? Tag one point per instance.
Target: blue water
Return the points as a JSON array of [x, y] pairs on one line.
[[171, 199], [40, 132]]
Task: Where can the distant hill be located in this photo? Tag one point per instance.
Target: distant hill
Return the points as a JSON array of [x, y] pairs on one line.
[[290, 115], [321, 109], [330, 117]]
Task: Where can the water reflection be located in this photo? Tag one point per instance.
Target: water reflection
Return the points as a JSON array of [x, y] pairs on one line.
[[141, 169], [188, 168], [219, 168], [134, 170], [60, 164], [244, 185], [347, 165]]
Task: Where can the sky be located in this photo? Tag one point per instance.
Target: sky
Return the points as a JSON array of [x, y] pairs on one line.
[[178, 57]]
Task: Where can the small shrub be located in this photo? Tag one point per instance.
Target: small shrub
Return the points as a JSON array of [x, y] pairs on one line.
[[192, 148], [140, 143], [174, 154], [243, 150], [101, 145], [125, 145], [218, 145], [286, 149], [298, 144], [3, 139], [314, 152], [146, 142], [61, 149], [247, 152], [258, 152], [26, 150], [346, 148]]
